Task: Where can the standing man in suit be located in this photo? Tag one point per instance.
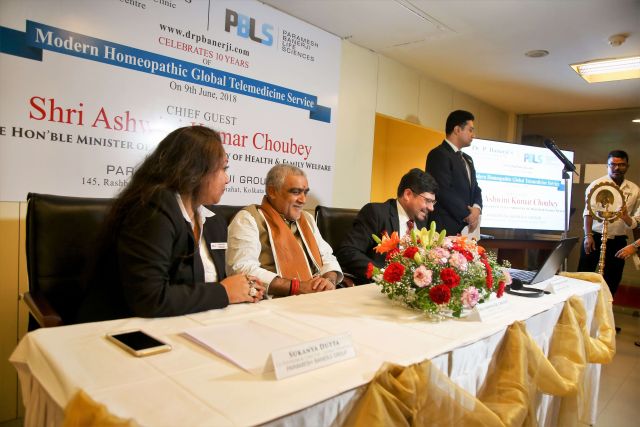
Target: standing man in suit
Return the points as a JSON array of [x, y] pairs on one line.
[[416, 198], [460, 198]]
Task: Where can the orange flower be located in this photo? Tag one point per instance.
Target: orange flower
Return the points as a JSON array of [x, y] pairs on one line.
[[388, 243], [465, 243]]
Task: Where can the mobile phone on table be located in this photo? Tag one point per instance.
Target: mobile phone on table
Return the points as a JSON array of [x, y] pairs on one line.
[[138, 343]]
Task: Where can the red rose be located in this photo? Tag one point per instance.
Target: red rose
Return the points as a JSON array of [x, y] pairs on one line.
[[369, 272], [457, 247], [449, 277], [501, 286], [394, 272], [440, 294], [410, 252], [392, 252], [489, 278]]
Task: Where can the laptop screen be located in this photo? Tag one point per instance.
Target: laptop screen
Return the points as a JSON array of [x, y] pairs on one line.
[[553, 263]]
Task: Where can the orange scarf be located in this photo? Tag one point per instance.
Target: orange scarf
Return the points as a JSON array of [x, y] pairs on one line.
[[289, 256]]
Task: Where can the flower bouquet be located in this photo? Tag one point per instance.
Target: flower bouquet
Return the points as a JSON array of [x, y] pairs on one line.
[[436, 274]]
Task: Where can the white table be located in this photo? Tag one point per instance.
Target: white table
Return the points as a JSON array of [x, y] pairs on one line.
[[192, 386]]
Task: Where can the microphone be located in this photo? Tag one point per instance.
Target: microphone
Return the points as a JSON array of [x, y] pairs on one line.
[[570, 167]]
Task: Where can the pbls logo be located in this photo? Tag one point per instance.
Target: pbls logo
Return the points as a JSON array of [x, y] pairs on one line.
[[246, 27], [532, 158]]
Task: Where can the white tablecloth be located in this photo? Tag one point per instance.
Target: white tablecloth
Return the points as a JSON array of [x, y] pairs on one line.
[[192, 386]]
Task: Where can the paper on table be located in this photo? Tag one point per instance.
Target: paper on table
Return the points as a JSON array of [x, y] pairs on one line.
[[476, 232], [248, 344]]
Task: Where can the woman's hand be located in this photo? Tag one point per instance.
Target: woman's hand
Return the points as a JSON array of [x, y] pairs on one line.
[[243, 288], [626, 252]]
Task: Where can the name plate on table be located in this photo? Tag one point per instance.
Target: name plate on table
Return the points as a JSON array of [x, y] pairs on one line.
[[557, 284], [482, 312], [312, 355]]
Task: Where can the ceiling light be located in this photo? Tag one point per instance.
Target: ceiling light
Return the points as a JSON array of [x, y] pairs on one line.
[[636, 120], [605, 70], [617, 39], [538, 53]]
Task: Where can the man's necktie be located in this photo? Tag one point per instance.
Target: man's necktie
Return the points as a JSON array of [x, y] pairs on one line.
[[466, 165], [410, 225]]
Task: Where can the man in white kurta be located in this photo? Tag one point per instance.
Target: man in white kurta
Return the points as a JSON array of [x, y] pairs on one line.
[[279, 243]]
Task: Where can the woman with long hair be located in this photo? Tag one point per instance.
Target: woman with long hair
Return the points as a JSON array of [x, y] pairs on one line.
[[162, 252]]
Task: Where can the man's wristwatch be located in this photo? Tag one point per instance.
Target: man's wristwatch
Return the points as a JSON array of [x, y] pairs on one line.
[[635, 245]]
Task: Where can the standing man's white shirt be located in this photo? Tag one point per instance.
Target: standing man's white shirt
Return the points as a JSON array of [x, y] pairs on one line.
[[631, 193]]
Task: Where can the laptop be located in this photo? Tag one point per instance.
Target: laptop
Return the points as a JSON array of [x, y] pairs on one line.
[[551, 265]]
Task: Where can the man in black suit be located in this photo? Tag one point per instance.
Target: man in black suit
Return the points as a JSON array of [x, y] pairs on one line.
[[460, 198], [416, 198]]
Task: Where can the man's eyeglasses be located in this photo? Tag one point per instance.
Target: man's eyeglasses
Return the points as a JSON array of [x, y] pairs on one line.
[[431, 202], [298, 191], [617, 165]]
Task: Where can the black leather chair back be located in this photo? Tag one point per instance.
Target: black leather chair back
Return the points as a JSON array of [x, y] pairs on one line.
[[228, 211], [334, 224], [60, 240]]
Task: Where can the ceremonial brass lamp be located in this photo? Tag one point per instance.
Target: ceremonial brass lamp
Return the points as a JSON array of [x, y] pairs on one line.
[[604, 206]]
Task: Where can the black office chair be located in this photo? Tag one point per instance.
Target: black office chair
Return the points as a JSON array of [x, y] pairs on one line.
[[334, 224], [61, 236], [228, 211]]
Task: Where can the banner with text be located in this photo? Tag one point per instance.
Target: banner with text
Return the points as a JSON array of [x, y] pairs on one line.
[[90, 88]]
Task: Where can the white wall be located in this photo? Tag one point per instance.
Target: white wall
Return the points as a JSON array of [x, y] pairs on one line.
[[356, 120], [371, 83]]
